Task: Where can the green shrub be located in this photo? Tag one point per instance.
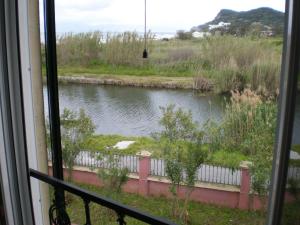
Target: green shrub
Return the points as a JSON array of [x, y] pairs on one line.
[[76, 128], [114, 177], [260, 171], [248, 124], [183, 154], [183, 35]]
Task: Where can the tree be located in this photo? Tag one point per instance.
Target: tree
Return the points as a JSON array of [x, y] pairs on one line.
[[183, 35], [179, 125], [113, 178], [76, 128], [183, 154], [256, 29]]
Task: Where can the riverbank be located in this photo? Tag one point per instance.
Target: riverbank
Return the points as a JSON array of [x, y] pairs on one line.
[[129, 80], [220, 64]]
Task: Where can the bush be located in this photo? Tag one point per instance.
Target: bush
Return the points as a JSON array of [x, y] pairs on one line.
[[183, 35], [178, 125], [260, 171], [76, 128], [114, 177], [183, 154], [248, 124]]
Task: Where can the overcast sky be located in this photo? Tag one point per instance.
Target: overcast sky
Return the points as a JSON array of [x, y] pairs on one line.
[[163, 15]]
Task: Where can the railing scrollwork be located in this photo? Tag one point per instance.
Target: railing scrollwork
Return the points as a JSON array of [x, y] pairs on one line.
[[120, 219], [59, 216]]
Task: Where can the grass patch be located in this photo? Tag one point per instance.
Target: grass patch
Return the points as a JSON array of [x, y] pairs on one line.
[[199, 213], [230, 159], [103, 68], [295, 162], [99, 143], [291, 214], [102, 142], [296, 148], [130, 80]]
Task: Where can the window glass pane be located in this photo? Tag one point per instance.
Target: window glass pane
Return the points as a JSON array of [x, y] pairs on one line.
[[291, 213], [202, 108]]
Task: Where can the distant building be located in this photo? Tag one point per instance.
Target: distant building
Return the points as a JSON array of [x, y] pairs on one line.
[[198, 34], [219, 25]]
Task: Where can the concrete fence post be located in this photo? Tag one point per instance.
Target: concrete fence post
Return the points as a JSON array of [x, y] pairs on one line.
[[244, 200], [144, 172]]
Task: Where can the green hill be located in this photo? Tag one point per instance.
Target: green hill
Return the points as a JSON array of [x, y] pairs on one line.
[[263, 20]]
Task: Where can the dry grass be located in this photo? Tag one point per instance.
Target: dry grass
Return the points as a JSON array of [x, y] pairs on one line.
[[79, 49], [248, 117], [202, 84], [125, 48], [230, 63], [238, 63]]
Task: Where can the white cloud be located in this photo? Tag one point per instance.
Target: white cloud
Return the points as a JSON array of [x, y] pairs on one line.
[[83, 5], [163, 15]]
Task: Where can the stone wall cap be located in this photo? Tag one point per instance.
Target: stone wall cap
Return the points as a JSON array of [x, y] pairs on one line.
[[245, 164], [144, 153]]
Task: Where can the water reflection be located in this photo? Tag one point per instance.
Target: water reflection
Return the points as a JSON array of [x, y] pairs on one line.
[[134, 111]]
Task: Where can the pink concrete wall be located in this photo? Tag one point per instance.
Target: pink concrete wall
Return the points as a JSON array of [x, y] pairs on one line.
[[199, 194], [159, 188], [88, 177], [145, 185]]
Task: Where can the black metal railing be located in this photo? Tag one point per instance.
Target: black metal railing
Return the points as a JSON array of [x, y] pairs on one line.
[[87, 197]]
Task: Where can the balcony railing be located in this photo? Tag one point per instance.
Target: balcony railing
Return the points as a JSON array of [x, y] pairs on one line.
[[58, 215]]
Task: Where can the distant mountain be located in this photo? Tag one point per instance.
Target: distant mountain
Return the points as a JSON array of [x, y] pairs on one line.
[[264, 20]]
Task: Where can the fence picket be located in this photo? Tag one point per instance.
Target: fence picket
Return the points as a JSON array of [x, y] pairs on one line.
[[205, 173]]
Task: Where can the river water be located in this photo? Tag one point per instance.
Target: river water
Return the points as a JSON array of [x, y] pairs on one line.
[[132, 111]]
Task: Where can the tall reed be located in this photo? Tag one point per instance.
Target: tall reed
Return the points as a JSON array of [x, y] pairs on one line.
[[125, 48], [248, 124], [79, 49], [238, 63]]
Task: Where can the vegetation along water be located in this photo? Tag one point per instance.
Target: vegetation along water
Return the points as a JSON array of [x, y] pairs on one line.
[[222, 112]]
